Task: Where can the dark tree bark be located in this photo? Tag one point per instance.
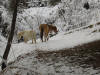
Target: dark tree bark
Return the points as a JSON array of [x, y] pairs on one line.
[[5, 55]]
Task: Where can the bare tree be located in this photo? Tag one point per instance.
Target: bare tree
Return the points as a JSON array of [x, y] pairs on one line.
[[5, 55]]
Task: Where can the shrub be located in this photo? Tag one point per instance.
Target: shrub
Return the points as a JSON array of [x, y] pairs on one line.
[[54, 2]]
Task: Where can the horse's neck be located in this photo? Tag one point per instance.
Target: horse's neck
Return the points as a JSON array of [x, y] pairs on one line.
[[51, 28]]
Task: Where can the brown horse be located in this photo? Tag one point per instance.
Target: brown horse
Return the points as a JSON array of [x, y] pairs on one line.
[[45, 29]]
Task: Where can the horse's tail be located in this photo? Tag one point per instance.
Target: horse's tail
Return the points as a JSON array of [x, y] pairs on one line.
[[41, 33]]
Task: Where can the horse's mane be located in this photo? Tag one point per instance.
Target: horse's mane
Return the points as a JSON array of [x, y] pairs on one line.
[[52, 27]]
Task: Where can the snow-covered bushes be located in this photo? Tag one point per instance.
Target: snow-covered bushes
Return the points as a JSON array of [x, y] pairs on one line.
[[54, 2], [67, 15], [5, 22]]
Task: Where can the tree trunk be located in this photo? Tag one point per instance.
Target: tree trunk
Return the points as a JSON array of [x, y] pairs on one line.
[[5, 55]]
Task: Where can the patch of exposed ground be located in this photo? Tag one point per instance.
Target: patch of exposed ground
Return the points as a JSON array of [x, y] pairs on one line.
[[88, 53]]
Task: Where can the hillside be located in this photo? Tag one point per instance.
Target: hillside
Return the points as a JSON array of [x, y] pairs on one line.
[[82, 60], [58, 56], [73, 51]]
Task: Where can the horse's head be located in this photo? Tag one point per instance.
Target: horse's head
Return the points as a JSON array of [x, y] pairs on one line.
[[55, 29], [20, 37]]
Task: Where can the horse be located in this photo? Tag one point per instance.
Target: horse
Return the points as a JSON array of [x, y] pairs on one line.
[[45, 29], [26, 36]]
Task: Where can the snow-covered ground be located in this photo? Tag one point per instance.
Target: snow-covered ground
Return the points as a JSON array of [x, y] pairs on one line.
[[58, 42], [32, 17], [29, 65]]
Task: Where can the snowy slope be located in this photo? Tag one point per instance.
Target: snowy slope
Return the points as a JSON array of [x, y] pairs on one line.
[[76, 17], [58, 42], [29, 64]]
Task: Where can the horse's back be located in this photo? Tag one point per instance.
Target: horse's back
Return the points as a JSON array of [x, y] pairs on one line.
[[28, 34], [42, 26]]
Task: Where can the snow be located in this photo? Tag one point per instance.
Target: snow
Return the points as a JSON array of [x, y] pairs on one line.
[[63, 40], [58, 42]]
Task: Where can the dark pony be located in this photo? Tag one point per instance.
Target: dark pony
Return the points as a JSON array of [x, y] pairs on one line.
[[45, 29]]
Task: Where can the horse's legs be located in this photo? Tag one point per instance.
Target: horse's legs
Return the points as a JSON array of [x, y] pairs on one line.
[[35, 40], [25, 40], [42, 38], [41, 34], [34, 37], [32, 40], [46, 36]]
